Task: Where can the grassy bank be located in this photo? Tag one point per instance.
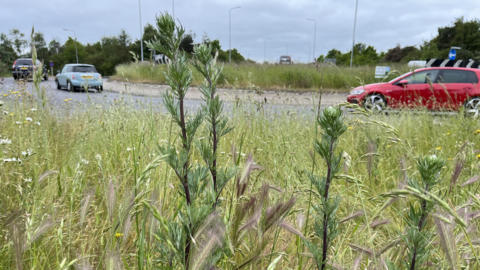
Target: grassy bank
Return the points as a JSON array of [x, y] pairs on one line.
[[299, 77], [69, 201]]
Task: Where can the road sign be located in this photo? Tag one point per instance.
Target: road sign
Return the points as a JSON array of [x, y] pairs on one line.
[[381, 72], [452, 54], [51, 63]]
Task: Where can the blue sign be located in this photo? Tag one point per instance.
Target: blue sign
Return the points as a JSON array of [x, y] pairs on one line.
[[51, 63], [452, 54]]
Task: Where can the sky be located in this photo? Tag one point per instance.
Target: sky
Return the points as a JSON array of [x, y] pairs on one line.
[[381, 23]]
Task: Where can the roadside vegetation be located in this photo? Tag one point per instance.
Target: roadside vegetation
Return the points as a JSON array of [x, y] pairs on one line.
[[117, 187], [298, 77]]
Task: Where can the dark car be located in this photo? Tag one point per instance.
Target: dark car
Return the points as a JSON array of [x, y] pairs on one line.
[[285, 59], [23, 69]]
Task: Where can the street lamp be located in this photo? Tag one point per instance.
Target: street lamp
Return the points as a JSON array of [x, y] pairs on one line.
[[76, 52], [141, 32], [314, 35], [354, 26], [265, 51], [309, 50], [230, 33]]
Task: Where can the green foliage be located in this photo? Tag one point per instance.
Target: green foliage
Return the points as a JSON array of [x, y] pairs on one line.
[[326, 224], [418, 236], [200, 186]]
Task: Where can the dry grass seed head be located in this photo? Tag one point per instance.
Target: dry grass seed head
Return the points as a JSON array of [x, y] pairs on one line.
[[42, 229], [471, 181], [456, 172], [110, 198], [87, 199], [352, 216], [447, 240]]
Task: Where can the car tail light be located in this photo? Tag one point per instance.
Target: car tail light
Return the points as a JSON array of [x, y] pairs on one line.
[[99, 76], [73, 76], [13, 67]]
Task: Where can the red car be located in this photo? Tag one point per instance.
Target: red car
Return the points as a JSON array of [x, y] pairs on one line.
[[437, 88]]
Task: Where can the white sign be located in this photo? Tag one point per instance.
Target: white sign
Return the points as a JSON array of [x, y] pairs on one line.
[[381, 72]]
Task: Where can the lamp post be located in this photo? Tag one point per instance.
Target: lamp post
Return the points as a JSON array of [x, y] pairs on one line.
[[354, 26], [76, 52], [230, 34], [265, 51], [314, 36], [141, 32], [309, 50]]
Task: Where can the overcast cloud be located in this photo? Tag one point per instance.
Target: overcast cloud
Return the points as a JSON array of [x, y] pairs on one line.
[[381, 23]]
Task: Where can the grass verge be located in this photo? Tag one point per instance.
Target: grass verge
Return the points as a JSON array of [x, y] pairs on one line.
[[299, 77], [68, 174]]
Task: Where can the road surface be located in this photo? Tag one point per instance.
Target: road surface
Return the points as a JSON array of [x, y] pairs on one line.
[[109, 96]]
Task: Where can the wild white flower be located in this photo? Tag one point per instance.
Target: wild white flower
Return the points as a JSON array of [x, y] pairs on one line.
[[98, 157], [28, 119], [201, 138], [30, 152], [242, 154], [84, 161], [28, 180], [24, 153], [11, 160], [18, 123], [33, 109], [129, 149], [5, 112], [5, 141], [37, 123]]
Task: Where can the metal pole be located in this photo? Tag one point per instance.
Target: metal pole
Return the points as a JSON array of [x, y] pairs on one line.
[[75, 35], [354, 26], [314, 36], [141, 32], [309, 50], [265, 51], [230, 34]]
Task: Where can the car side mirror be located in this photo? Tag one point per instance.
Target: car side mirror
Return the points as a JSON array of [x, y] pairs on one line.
[[403, 82]]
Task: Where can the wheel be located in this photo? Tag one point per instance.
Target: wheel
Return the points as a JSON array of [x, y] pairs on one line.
[[472, 107], [45, 77], [70, 87], [375, 103], [58, 85], [100, 89], [15, 78]]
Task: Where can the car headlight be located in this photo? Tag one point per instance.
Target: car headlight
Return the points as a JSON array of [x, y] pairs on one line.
[[357, 92]]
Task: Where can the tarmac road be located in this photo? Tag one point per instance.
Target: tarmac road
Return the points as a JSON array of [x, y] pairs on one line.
[[108, 96]]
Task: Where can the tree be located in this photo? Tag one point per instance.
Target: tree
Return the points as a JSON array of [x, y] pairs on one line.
[[187, 44], [54, 46], [69, 53], [236, 56], [19, 40]]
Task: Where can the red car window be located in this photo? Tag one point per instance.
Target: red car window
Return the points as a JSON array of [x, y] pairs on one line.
[[421, 77], [457, 76]]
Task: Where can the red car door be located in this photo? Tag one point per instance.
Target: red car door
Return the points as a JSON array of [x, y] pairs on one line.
[[454, 86], [417, 92]]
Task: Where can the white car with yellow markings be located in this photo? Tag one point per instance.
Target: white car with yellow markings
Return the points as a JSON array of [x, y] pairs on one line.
[[79, 76]]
